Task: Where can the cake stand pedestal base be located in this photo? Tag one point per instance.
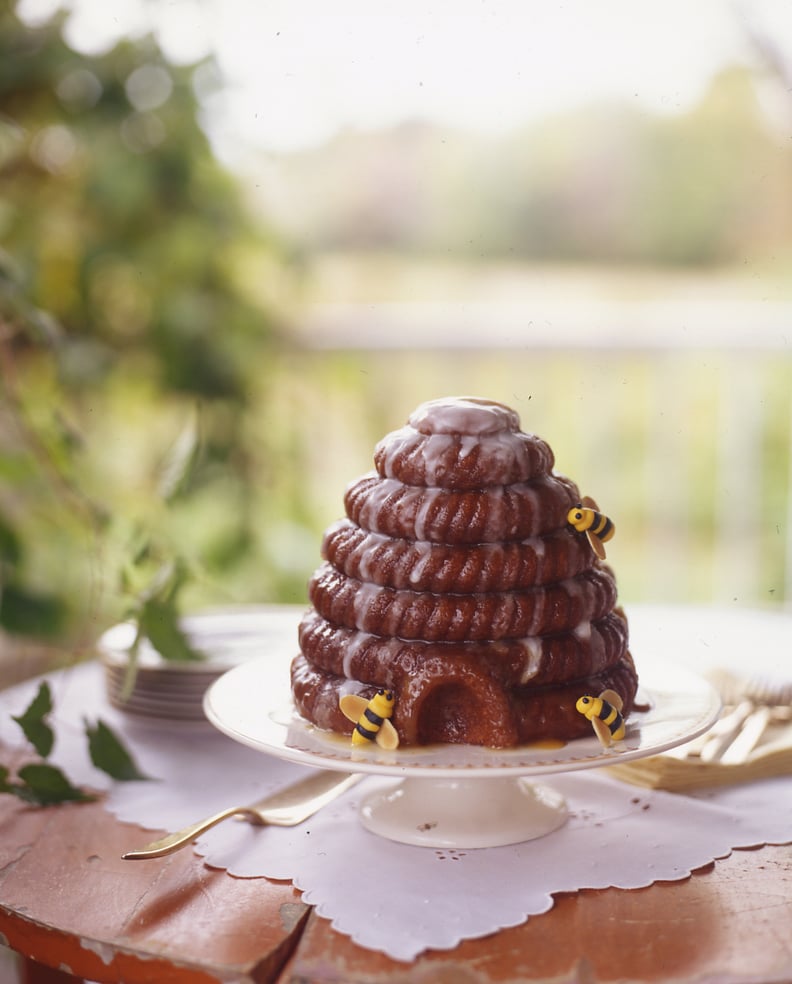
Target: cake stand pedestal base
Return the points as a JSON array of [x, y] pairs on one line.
[[464, 813]]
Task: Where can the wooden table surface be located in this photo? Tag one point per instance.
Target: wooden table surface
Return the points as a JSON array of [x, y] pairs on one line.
[[71, 906]]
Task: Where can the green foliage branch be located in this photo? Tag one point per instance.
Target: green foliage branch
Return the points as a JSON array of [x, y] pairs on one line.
[[44, 784], [119, 233]]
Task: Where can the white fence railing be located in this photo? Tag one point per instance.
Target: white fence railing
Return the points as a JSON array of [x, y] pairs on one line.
[[686, 447]]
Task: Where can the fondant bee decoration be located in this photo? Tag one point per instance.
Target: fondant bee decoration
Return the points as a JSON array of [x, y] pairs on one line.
[[372, 718], [605, 715], [586, 518]]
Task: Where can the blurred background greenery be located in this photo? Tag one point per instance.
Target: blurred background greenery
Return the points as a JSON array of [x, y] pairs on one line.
[[201, 339]]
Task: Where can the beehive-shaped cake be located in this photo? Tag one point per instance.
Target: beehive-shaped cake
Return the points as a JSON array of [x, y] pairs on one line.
[[457, 582]]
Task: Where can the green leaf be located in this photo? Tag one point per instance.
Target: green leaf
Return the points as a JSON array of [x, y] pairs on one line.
[[26, 612], [178, 469], [10, 544], [141, 549], [32, 723], [108, 753], [4, 786], [167, 582], [159, 622], [44, 785]]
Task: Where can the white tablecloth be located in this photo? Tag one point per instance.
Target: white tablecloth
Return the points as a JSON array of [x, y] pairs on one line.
[[397, 898]]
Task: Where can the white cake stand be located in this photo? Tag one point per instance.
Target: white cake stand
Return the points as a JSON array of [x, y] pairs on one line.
[[455, 796]]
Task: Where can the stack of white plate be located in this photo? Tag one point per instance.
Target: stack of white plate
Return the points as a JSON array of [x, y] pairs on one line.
[[174, 690]]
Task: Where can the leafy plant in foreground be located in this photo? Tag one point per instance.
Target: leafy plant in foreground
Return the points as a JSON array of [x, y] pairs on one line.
[[44, 784]]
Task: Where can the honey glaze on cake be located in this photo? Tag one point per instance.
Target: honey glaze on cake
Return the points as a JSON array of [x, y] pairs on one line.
[[457, 584]]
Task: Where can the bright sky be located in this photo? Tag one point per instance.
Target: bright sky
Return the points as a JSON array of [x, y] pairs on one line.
[[298, 70]]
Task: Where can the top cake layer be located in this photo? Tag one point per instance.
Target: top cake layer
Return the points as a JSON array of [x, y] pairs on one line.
[[462, 443], [463, 415]]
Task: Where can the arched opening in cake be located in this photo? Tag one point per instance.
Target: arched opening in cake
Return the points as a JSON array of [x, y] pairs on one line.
[[453, 712]]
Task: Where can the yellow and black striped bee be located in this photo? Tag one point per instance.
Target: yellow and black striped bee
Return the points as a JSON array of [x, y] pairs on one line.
[[605, 715], [586, 518], [372, 718]]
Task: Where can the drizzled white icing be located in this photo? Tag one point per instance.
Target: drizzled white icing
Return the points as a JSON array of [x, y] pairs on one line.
[[421, 516], [582, 630], [366, 595], [496, 494], [432, 453], [467, 444], [425, 550], [574, 588], [503, 615], [533, 646], [346, 687], [352, 648], [377, 496], [463, 415], [538, 613]]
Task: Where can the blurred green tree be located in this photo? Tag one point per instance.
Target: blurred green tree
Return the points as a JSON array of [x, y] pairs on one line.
[[606, 182], [120, 305]]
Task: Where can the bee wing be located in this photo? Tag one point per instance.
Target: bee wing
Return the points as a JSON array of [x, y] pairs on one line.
[[596, 544], [602, 731], [589, 503], [352, 706], [612, 698], [387, 736]]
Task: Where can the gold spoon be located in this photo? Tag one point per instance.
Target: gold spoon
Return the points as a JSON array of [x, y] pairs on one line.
[[286, 808]]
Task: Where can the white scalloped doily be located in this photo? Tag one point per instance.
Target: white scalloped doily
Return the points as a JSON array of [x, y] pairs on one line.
[[417, 898]]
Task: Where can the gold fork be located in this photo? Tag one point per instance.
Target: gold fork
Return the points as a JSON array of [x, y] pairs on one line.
[[286, 808], [751, 740], [752, 705]]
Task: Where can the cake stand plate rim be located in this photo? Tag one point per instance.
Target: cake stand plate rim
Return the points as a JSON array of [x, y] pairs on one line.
[[251, 703]]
